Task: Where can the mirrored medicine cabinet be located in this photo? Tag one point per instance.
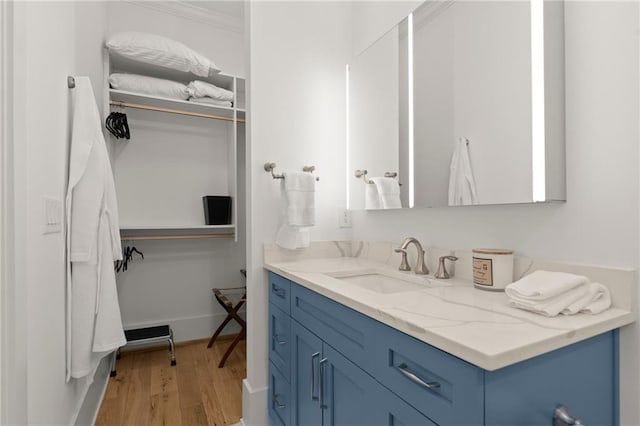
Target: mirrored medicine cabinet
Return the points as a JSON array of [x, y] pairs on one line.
[[482, 76]]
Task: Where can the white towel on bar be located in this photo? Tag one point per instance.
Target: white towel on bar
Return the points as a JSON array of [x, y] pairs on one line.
[[371, 197], [298, 210], [462, 185], [388, 192]]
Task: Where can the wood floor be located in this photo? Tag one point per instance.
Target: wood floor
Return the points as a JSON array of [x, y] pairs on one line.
[[148, 391]]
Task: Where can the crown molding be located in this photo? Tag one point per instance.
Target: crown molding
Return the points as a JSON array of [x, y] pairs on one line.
[[194, 13]]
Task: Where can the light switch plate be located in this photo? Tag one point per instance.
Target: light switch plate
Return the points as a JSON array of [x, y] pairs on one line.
[[52, 215]]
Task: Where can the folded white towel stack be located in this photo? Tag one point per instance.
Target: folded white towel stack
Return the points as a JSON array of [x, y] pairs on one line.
[[388, 192], [298, 210], [552, 293]]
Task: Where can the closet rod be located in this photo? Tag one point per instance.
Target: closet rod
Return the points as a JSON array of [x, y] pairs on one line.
[[174, 111], [175, 237]]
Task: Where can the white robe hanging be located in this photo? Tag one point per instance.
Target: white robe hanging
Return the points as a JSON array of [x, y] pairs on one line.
[[462, 185], [94, 325]]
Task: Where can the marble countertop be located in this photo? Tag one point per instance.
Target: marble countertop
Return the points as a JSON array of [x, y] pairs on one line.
[[475, 325]]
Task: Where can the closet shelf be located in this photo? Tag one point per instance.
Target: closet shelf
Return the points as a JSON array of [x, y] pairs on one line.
[[175, 232], [174, 106], [175, 227]]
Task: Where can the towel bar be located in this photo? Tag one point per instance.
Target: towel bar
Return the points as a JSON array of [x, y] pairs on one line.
[[268, 167]]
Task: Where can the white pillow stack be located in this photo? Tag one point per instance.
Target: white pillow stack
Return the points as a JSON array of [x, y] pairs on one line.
[[161, 51]]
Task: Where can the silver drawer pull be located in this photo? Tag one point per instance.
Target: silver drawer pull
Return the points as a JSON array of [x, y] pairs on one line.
[[280, 292], [561, 417], [404, 369], [279, 340], [313, 376], [277, 402]]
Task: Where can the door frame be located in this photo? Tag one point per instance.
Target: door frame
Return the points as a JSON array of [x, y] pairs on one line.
[[13, 316]]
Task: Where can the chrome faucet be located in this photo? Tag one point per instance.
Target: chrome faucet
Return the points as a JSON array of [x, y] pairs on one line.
[[420, 268], [442, 273]]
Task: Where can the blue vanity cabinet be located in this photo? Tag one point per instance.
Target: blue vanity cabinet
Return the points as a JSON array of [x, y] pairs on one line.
[[337, 366]]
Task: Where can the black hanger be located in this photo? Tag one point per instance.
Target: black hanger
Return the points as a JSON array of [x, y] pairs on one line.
[[127, 256], [117, 124]]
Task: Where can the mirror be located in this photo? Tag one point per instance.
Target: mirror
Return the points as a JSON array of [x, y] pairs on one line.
[[465, 102], [378, 100]]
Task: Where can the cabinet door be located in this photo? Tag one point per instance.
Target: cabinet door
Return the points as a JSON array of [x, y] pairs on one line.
[[305, 380], [347, 392]]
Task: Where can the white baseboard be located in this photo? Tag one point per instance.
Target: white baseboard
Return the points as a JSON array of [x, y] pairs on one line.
[[254, 405], [87, 412], [192, 328]]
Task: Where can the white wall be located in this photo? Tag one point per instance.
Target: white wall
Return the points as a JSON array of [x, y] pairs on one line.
[[599, 222], [296, 118], [44, 40]]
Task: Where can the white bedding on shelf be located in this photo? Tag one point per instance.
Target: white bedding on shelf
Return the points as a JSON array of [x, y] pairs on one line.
[[149, 85]]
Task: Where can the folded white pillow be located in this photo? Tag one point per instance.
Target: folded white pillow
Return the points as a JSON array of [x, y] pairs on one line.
[[149, 85], [161, 51], [201, 89]]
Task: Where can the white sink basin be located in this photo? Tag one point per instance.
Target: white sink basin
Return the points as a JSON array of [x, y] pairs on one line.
[[383, 281]]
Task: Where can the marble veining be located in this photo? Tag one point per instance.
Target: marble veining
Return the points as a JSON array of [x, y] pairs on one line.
[[475, 325]]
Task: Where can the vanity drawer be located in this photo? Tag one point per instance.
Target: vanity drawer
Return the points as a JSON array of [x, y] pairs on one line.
[[444, 388], [346, 330], [280, 292], [280, 340], [279, 398]]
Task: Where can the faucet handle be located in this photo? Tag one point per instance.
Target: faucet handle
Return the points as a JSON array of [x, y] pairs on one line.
[[404, 265], [442, 268]]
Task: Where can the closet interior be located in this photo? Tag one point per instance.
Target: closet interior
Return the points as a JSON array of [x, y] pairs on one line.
[[180, 183]]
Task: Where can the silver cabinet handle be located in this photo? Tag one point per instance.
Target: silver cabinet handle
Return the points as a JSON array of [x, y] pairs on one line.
[[561, 417], [279, 340], [313, 376], [277, 402], [323, 361], [404, 369], [280, 292]]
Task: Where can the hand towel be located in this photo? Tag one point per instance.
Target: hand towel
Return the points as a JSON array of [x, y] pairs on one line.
[[200, 89], [371, 197], [462, 185], [541, 285], [388, 192], [596, 300], [552, 306], [298, 212]]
